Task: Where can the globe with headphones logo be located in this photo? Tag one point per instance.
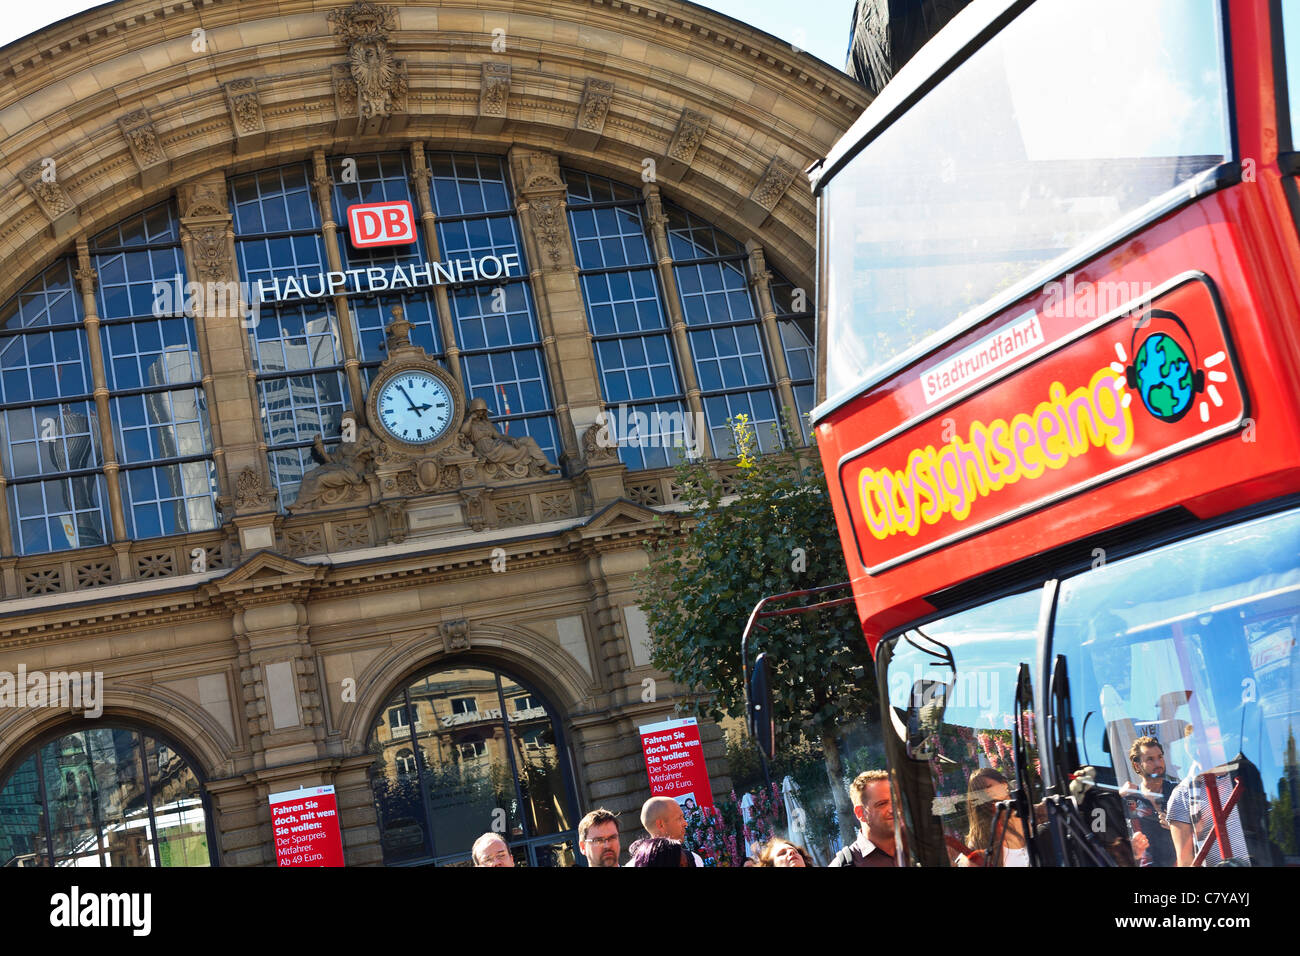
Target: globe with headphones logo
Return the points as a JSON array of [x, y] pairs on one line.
[[1162, 373]]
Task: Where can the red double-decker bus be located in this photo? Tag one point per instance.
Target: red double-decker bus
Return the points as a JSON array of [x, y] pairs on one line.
[[1059, 318]]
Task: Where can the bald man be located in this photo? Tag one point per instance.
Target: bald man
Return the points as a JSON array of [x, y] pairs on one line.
[[663, 817]]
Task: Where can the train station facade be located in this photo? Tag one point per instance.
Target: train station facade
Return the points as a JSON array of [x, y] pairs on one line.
[[227, 567]]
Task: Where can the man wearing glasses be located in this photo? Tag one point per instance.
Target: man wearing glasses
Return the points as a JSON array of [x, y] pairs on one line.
[[598, 838]]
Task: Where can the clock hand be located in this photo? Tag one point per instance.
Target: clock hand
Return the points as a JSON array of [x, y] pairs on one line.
[[409, 402]]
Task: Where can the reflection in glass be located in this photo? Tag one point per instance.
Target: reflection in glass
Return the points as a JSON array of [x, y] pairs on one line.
[[982, 184], [485, 757], [969, 661], [91, 793], [1194, 646]]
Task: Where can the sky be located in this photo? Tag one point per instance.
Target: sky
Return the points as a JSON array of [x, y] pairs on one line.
[[819, 26]]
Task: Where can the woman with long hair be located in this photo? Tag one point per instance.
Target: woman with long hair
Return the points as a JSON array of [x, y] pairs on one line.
[[986, 788]]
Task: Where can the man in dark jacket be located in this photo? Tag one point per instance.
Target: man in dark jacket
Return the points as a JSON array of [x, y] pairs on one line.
[[874, 807]]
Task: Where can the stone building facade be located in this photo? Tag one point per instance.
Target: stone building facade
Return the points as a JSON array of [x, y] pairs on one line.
[[198, 501]]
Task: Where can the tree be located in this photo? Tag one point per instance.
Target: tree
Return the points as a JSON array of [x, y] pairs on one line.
[[710, 565]]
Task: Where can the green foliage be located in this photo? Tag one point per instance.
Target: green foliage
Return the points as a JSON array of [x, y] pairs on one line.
[[777, 535]]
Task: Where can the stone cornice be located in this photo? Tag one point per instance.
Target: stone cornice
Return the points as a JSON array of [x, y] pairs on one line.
[[268, 577]]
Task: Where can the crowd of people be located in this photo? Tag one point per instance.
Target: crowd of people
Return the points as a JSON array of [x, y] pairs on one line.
[[663, 843], [1157, 810]]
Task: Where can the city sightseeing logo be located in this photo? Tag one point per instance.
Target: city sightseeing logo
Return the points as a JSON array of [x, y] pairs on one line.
[[1066, 426], [1165, 378]]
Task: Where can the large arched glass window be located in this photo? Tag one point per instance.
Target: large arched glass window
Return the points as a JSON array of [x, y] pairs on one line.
[[464, 751], [112, 796]]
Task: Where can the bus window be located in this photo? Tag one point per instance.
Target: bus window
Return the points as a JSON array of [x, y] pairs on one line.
[[966, 662], [1066, 127], [1193, 646]]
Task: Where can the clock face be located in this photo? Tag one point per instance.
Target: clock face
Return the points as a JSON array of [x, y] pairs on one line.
[[414, 407]]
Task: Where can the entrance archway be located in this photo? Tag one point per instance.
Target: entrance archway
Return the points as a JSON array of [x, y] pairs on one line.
[[463, 751]]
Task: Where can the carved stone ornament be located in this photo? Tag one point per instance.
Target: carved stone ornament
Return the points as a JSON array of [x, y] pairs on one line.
[[375, 467], [535, 171], [245, 108], [455, 635], [502, 456], [759, 274], [773, 183], [211, 252], [204, 198], [596, 99], [549, 226], [86, 279], [597, 446], [142, 139], [690, 133], [495, 90], [251, 491], [375, 82], [48, 192], [341, 478]]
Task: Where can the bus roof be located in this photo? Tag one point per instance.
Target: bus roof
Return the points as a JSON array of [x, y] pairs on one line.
[[961, 37]]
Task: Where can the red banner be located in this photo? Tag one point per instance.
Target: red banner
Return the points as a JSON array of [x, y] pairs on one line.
[[306, 827], [674, 762], [1102, 401]]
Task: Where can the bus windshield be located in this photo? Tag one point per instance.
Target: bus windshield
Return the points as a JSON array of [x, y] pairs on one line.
[[1065, 129]]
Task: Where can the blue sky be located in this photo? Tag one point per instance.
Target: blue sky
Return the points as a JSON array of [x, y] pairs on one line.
[[819, 26]]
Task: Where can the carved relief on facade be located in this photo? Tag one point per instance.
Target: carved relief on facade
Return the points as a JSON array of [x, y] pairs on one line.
[[596, 448], [39, 178], [204, 198], [596, 99], [689, 135], [535, 171], [245, 108], [252, 492], [373, 83], [773, 184], [495, 90], [142, 139], [373, 467], [211, 251], [549, 227], [455, 635]]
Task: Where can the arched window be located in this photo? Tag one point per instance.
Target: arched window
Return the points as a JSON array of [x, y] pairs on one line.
[[112, 796], [487, 755]]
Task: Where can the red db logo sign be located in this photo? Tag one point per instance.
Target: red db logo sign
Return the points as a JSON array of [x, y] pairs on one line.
[[381, 224]]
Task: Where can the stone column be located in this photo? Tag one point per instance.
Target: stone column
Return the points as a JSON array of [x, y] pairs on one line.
[[446, 324], [222, 320], [760, 279], [658, 223], [86, 280], [566, 337], [324, 186]]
